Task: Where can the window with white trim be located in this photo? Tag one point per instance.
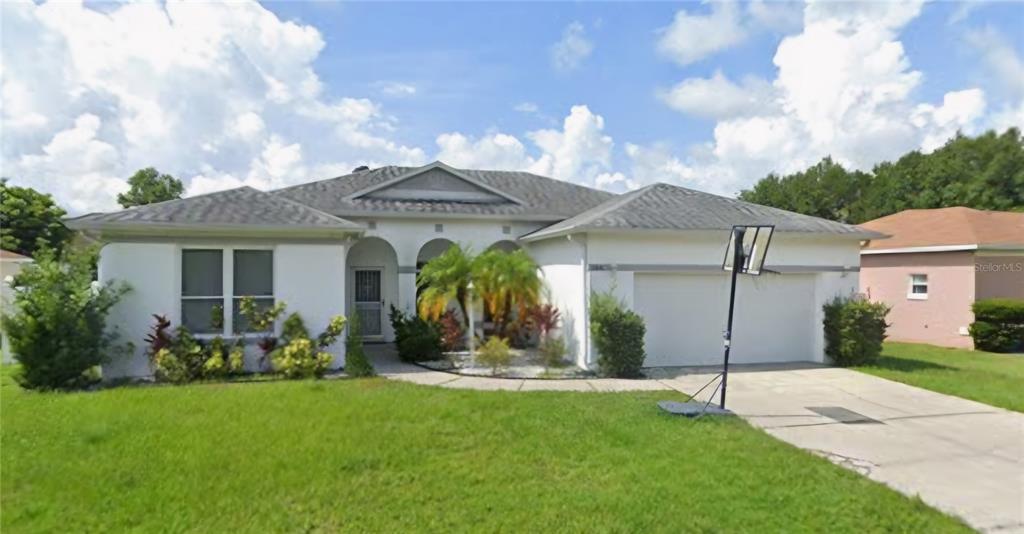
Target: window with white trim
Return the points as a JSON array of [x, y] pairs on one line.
[[253, 277], [918, 286], [202, 290], [205, 294]]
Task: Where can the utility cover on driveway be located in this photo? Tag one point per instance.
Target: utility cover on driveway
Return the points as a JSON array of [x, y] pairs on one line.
[[842, 415]]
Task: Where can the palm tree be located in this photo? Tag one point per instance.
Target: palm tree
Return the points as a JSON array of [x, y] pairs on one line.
[[506, 280], [444, 279]]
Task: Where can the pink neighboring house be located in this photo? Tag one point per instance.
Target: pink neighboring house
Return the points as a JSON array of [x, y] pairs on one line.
[[934, 266]]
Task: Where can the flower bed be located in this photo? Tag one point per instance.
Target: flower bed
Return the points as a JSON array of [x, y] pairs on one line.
[[524, 364]]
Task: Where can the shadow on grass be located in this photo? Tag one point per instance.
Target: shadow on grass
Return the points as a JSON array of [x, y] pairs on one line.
[[907, 365]]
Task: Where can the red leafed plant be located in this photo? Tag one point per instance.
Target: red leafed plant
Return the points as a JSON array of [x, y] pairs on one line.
[[452, 334], [545, 318], [160, 336]]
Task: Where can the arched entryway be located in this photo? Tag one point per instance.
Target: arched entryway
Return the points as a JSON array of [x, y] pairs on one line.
[[372, 286], [504, 245]]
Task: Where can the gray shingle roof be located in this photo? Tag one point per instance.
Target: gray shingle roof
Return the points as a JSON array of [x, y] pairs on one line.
[[242, 207], [541, 198], [668, 207]]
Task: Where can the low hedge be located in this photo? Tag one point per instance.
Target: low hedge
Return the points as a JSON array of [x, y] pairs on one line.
[[998, 325], [854, 330]]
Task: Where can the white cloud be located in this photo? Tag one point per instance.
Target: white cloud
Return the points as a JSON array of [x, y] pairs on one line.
[[397, 89], [493, 151], [579, 152], [1000, 58], [218, 93], [691, 38], [574, 47], [527, 107], [844, 87], [718, 97]]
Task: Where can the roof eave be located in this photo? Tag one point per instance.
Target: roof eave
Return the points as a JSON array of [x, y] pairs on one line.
[[135, 229], [541, 234]]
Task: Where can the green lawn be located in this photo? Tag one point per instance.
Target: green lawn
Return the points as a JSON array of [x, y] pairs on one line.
[[385, 456], [996, 379]]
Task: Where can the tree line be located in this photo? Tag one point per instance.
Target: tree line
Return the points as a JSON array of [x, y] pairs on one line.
[[30, 220], [984, 172]]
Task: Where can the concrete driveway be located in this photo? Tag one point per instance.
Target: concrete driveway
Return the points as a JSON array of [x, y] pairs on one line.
[[960, 456]]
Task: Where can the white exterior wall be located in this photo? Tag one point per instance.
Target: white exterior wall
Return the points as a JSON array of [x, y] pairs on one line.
[[563, 269], [309, 278], [153, 271]]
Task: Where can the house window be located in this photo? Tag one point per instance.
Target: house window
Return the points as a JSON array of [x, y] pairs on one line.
[[253, 277], [918, 286], [205, 294], [202, 291]]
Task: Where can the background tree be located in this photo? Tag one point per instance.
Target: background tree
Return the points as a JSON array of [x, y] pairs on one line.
[[30, 220], [984, 172], [149, 186]]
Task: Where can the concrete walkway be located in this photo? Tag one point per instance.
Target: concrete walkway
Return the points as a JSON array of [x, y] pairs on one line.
[[963, 457]]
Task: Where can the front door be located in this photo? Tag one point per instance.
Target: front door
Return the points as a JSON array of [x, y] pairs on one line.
[[368, 301]]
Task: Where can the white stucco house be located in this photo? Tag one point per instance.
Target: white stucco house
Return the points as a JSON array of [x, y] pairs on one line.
[[353, 244]]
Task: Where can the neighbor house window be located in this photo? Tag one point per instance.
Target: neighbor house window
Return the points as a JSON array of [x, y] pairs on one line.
[[254, 277], [918, 286], [202, 291]]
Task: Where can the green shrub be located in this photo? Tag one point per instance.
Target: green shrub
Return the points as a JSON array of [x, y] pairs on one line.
[[297, 356], [57, 324], [299, 359], [998, 325], [552, 350], [618, 336], [494, 354], [417, 339], [356, 362], [854, 330]]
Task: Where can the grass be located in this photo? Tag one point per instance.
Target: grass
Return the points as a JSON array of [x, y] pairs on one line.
[[376, 455], [995, 379]]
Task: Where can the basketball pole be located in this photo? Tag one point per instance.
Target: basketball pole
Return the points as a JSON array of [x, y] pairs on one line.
[[737, 264]]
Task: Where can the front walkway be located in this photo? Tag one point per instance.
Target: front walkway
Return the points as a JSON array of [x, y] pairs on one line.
[[960, 456]]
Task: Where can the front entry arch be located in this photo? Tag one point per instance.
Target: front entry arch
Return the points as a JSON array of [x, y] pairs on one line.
[[372, 286]]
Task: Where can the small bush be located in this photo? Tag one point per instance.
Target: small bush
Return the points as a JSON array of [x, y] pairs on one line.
[[298, 359], [618, 336], [356, 362], [998, 325], [57, 324], [552, 350], [417, 339], [494, 353], [545, 318], [854, 330], [297, 356]]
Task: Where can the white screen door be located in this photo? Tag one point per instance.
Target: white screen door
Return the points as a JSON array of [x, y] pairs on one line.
[[369, 306]]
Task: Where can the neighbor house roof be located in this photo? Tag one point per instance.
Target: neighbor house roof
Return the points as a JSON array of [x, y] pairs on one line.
[[958, 227], [241, 209], [668, 207], [524, 195]]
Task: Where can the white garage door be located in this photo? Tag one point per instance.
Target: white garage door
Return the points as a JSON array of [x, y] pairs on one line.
[[686, 314]]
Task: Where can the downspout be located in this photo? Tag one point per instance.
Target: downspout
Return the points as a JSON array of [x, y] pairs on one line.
[[586, 299]]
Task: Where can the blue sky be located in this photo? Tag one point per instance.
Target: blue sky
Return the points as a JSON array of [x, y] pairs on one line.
[[614, 95]]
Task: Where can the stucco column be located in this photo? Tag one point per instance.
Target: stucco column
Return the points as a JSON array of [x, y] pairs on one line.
[[407, 288]]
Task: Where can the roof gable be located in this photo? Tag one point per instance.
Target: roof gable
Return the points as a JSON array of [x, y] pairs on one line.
[[439, 183], [526, 196]]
